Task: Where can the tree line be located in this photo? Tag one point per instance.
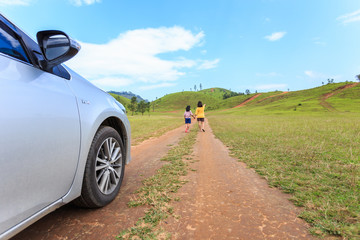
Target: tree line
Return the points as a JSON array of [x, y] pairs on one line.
[[140, 107]]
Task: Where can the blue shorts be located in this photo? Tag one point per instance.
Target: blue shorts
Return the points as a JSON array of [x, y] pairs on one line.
[[188, 120]]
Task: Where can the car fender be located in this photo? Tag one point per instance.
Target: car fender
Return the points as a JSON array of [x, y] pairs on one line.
[[95, 108]]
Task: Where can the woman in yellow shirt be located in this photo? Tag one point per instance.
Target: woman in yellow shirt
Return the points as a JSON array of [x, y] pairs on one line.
[[200, 114]]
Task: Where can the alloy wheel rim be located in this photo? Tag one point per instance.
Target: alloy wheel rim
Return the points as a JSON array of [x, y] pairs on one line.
[[108, 165]]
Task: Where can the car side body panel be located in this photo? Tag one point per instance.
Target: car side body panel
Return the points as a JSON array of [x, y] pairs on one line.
[[40, 140]]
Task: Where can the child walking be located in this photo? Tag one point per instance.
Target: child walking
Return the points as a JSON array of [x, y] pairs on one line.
[[200, 114], [187, 116]]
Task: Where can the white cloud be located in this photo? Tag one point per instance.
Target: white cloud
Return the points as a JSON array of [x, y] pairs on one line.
[[313, 74], [161, 85], [271, 86], [206, 64], [350, 17], [275, 36], [15, 2], [318, 41], [84, 2], [133, 57], [321, 76], [270, 74], [310, 73]]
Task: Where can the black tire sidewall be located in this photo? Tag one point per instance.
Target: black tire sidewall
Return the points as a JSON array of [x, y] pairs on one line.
[[93, 196]]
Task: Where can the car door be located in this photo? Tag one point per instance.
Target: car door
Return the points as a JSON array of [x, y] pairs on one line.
[[39, 134]]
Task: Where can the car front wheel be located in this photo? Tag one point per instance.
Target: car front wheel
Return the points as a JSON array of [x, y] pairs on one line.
[[104, 170]]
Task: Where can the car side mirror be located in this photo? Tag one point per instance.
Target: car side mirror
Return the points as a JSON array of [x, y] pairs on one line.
[[56, 47]]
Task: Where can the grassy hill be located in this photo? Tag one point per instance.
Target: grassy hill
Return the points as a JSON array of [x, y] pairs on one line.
[[123, 100], [326, 98], [217, 93], [348, 100], [309, 100], [212, 97], [179, 101]]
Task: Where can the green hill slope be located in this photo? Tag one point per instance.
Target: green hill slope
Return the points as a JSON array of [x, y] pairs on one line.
[[123, 100], [179, 101], [218, 93], [309, 100], [341, 97], [212, 97], [348, 100]]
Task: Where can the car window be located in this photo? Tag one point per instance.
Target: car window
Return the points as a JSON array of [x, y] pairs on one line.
[[9, 45]]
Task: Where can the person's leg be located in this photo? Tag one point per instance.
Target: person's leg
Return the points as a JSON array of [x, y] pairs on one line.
[[203, 125], [199, 123]]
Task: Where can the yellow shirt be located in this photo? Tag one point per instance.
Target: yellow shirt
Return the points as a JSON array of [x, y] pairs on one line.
[[200, 112]]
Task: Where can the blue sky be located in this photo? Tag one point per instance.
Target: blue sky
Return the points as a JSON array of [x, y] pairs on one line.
[[157, 47]]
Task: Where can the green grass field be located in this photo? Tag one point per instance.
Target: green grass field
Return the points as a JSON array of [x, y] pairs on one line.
[[315, 158], [145, 127]]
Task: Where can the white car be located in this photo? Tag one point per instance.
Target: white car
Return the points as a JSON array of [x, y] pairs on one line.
[[61, 138]]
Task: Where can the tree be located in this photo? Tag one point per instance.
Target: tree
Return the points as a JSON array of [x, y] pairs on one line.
[[358, 77], [195, 87], [141, 107], [153, 105], [148, 107], [247, 91], [132, 105], [201, 86], [226, 95]]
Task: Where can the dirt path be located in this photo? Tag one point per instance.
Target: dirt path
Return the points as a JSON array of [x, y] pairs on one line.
[[70, 223], [225, 200], [247, 100], [222, 200], [327, 105], [271, 96]]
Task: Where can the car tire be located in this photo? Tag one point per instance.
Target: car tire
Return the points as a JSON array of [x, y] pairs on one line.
[[104, 170]]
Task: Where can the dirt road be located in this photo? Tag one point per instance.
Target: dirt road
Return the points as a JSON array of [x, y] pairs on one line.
[[225, 200], [70, 223], [222, 200], [247, 100], [323, 99]]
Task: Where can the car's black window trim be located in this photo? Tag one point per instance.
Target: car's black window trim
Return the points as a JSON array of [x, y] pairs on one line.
[[9, 31]]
